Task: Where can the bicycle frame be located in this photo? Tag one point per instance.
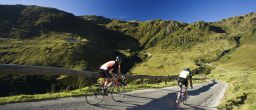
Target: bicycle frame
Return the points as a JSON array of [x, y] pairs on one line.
[[103, 90], [183, 90], [182, 95]]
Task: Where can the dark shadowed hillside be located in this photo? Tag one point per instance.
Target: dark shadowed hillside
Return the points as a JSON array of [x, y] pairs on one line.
[[33, 35]]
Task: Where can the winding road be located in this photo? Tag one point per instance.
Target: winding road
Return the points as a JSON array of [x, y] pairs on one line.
[[205, 96]]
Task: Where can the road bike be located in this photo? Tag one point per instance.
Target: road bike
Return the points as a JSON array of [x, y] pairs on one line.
[[96, 92], [183, 95]]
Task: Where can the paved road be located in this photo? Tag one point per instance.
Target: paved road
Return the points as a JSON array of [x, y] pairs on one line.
[[203, 96]]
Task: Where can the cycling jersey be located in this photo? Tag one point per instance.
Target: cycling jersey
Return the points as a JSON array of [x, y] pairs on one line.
[[183, 78], [109, 65], [185, 74]]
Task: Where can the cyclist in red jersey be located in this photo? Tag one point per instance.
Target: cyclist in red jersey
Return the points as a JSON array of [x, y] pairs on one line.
[[106, 70]]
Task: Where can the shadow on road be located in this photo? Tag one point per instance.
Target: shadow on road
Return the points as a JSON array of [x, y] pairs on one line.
[[195, 107], [163, 103], [107, 106], [129, 95], [202, 89], [167, 102]]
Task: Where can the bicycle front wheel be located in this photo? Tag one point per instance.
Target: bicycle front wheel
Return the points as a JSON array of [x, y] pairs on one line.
[[118, 92], [94, 94], [185, 99], [177, 101]]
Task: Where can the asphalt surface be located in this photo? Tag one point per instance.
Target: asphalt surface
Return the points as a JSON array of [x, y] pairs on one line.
[[204, 96]]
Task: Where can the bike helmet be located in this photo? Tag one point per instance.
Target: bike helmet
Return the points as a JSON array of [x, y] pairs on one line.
[[187, 69]]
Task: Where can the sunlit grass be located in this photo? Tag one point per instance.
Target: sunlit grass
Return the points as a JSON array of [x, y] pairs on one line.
[[172, 61], [240, 74]]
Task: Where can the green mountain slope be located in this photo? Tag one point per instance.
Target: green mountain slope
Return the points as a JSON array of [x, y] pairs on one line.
[[169, 46], [237, 68], [225, 50], [36, 35], [56, 38]]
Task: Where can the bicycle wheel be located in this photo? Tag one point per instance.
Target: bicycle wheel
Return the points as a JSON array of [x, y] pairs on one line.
[[174, 104], [94, 94], [185, 99], [118, 92], [178, 100]]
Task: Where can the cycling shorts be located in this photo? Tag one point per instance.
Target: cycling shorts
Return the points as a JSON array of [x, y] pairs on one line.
[[105, 74], [182, 81]]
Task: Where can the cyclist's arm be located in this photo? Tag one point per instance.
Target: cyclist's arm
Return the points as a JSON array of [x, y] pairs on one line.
[[111, 72], [190, 80], [119, 72]]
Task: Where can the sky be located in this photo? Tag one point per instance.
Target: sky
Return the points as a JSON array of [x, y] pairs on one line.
[[180, 10]]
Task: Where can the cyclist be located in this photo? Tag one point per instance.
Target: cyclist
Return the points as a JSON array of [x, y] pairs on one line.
[[184, 76], [107, 71]]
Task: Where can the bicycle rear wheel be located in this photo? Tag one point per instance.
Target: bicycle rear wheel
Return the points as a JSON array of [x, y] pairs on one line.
[[177, 103], [185, 99], [118, 92], [94, 94]]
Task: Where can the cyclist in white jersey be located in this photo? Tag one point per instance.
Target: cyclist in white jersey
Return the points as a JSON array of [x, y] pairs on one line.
[[184, 76]]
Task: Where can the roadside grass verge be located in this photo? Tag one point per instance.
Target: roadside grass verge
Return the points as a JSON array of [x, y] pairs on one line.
[[241, 91], [238, 70]]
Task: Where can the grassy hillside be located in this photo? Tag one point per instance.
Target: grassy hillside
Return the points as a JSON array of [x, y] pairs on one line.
[[148, 33], [170, 46], [238, 70], [228, 46], [34, 35], [59, 38]]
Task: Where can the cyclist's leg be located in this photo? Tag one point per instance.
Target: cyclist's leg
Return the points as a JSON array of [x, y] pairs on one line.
[[110, 78], [186, 87], [102, 74], [119, 77], [106, 82], [178, 94], [180, 88], [106, 76]]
